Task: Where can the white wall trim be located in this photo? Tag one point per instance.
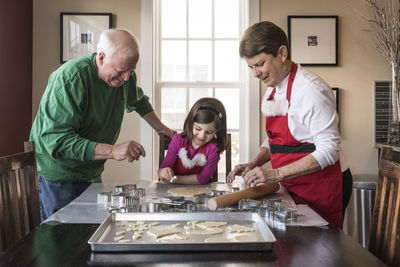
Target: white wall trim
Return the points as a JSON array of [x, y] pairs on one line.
[[147, 84], [252, 114]]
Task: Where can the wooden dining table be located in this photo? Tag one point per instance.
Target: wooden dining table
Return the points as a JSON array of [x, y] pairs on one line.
[[64, 242]]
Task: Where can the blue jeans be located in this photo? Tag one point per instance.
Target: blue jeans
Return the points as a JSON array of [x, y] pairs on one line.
[[54, 195]]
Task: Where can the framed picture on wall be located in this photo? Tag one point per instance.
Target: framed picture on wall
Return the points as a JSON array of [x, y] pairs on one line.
[[313, 40], [80, 32]]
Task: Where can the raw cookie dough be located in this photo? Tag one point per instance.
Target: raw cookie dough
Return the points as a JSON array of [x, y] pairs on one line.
[[189, 191], [159, 232], [236, 228], [211, 224], [208, 231], [173, 238]]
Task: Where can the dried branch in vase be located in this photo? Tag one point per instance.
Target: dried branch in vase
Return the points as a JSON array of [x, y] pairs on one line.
[[385, 25]]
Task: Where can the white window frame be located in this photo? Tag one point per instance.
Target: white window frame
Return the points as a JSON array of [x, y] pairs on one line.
[[250, 118]]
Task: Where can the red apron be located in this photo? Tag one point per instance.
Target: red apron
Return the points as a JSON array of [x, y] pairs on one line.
[[180, 169], [321, 189]]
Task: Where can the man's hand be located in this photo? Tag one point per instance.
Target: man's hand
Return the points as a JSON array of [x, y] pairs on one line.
[[157, 125], [261, 175], [130, 150], [167, 132]]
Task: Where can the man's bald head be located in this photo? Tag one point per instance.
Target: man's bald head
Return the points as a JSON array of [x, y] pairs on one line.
[[118, 43]]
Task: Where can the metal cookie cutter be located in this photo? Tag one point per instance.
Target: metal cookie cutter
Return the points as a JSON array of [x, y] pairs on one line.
[[269, 207], [134, 208], [173, 179], [113, 210], [155, 204], [141, 192], [234, 189], [128, 187], [131, 201], [188, 205], [201, 198], [263, 211], [153, 207], [287, 215], [229, 209], [177, 198], [217, 193], [119, 189], [248, 204], [118, 200], [103, 198], [278, 210]]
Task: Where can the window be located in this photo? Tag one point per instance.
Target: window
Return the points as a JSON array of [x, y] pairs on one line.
[[197, 45], [189, 90]]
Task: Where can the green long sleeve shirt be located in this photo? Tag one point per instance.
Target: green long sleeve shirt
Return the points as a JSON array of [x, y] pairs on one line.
[[78, 110]]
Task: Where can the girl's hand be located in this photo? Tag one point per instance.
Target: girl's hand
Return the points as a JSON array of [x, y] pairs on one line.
[[165, 174], [240, 170], [261, 175]]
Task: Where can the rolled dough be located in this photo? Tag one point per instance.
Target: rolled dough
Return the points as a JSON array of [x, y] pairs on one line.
[[189, 191]]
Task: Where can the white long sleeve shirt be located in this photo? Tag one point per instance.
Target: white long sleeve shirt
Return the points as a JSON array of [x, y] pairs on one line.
[[312, 115]]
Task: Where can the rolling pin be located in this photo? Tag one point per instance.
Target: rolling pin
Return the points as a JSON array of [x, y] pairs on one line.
[[233, 198]]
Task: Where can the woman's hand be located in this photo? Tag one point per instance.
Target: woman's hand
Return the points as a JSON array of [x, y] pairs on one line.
[[261, 175], [165, 174], [240, 170]]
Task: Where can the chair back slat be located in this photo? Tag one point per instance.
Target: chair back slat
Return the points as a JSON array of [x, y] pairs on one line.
[[23, 196], [19, 198], [228, 153], [385, 232], [17, 161]]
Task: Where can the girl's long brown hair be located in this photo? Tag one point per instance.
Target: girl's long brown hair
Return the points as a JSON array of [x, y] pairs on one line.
[[207, 110]]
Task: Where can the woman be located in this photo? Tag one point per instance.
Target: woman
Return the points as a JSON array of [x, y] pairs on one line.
[[301, 124]]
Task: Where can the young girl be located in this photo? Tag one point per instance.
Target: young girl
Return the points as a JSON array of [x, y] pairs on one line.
[[193, 155]]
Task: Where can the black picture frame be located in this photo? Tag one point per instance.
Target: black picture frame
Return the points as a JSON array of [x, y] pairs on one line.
[[79, 33], [313, 40]]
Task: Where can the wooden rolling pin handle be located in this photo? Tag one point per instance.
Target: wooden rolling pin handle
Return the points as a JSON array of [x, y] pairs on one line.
[[233, 198]]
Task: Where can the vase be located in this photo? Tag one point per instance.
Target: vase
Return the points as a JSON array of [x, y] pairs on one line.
[[394, 122]]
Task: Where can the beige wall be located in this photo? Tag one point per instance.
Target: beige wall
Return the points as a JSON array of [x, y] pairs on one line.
[[46, 58], [360, 64]]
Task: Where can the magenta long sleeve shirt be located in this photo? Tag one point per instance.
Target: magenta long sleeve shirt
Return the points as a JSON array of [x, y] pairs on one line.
[[211, 153]]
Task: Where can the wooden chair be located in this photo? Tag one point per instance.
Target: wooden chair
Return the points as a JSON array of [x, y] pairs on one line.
[[19, 198], [385, 232], [165, 140]]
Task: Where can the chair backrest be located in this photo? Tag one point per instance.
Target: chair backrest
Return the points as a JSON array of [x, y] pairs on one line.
[[19, 198], [385, 232], [165, 140]]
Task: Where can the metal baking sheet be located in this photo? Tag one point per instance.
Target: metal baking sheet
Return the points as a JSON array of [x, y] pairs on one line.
[[103, 238]]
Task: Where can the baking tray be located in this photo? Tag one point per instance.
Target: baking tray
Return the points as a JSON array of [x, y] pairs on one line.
[[103, 238]]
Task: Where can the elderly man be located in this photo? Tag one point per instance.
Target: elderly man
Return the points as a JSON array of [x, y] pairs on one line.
[[80, 116]]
